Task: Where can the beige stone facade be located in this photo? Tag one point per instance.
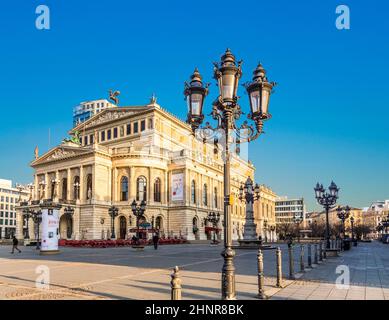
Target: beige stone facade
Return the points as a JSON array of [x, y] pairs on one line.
[[141, 152]]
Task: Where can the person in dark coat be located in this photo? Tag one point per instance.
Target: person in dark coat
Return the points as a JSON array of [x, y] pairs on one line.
[[155, 241], [15, 243]]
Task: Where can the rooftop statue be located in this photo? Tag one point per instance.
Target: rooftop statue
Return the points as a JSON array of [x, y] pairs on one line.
[[75, 138], [113, 95]]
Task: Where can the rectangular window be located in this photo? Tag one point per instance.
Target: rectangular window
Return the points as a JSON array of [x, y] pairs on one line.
[[11, 215], [136, 124], [143, 125], [102, 135], [2, 214], [128, 129], [109, 134], [6, 214], [91, 139], [81, 140], [115, 133], [1, 221], [6, 222], [86, 140]]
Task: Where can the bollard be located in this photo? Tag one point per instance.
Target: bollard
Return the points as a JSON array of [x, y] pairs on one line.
[[279, 268], [261, 280], [176, 284], [302, 267], [315, 261], [309, 255], [320, 252], [291, 263]]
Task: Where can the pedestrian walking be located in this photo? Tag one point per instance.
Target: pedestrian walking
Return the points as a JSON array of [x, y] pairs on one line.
[[156, 240], [15, 243]]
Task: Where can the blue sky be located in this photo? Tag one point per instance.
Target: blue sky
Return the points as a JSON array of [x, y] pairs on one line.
[[330, 110]]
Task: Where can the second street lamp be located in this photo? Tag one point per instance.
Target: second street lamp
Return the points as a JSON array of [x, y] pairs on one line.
[[113, 213], [343, 214], [138, 211], [226, 111], [37, 218], [327, 200]]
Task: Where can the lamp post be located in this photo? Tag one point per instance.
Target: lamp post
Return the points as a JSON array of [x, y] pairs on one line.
[[352, 231], [265, 228], [113, 213], [69, 212], [226, 111], [343, 214], [214, 218], [249, 193], [297, 220], [138, 211], [37, 218], [27, 215], [327, 200]]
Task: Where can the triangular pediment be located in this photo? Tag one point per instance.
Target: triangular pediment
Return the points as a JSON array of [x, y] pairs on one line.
[[108, 115], [62, 152]]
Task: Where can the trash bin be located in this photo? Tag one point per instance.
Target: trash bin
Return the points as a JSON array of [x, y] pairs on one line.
[[346, 244]]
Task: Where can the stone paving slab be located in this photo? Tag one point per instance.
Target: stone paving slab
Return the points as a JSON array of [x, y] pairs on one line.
[[369, 278]]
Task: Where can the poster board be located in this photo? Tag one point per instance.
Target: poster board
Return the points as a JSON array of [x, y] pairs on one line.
[[177, 187], [50, 230]]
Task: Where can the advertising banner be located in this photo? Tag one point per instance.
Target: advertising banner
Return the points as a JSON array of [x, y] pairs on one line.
[[177, 187], [50, 230]]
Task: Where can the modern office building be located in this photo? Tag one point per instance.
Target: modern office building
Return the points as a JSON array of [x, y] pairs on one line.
[[287, 210], [86, 110], [139, 153], [10, 196]]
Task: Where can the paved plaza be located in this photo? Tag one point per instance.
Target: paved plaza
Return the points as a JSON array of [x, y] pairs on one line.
[[123, 273]]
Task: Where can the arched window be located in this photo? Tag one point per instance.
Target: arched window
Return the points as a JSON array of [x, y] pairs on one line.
[[64, 189], [89, 187], [193, 192], [141, 189], [215, 197], [205, 195], [157, 190], [124, 189], [76, 188]]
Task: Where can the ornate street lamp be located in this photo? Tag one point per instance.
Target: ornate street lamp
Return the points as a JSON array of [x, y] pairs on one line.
[[26, 216], [297, 219], [69, 212], [226, 111], [352, 229], [113, 213], [249, 194], [37, 218], [214, 218], [138, 211], [327, 200], [343, 214]]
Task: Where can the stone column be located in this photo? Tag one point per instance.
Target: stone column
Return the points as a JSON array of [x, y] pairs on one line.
[[47, 185], [150, 196], [131, 185], [115, 184], [69, 185], [82, 185], [36, 188]]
